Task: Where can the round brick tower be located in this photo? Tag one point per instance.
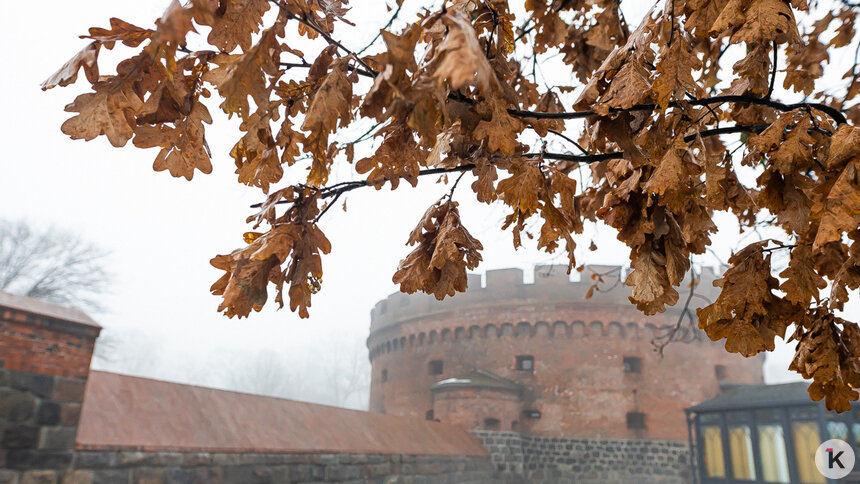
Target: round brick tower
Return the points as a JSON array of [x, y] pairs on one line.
[[543, 360]]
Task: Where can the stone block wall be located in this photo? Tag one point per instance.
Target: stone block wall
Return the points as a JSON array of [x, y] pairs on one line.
[[100, 467], [38, 420], [45, 354], [539, 460]]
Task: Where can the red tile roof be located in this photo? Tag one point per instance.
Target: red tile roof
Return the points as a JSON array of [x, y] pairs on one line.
[[43, 308], [129, 413]]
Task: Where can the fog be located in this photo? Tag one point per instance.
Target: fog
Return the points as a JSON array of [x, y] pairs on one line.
[[160, 320]]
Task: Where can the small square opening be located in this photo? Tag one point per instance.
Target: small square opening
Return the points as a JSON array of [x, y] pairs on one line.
[[635, 420], [435, 367], [632, 364], [526, 363]]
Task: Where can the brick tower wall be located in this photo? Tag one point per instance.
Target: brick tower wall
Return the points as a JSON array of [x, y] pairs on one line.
[[579, 384]]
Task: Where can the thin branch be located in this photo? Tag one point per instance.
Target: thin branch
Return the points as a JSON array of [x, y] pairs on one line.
[[569, 140], [306, 65], [327, 207], [492, 30], [524, 31], [663, 341], [454, 186], [831, 111], [338, 188], [780, 247], [325, 35], [772, 72], [379, 34], [672, 26]]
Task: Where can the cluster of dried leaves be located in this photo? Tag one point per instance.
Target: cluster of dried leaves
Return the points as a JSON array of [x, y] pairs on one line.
[[455, 91]]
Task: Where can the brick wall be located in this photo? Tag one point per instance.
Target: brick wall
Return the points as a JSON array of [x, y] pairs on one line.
[[45, 353], [539, 460], [38, 343], [472, 407]]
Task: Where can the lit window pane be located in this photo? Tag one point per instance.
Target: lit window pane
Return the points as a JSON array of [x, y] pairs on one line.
[[713, 451], [740, 446], [838, 430], [771, 449], [806, 441]]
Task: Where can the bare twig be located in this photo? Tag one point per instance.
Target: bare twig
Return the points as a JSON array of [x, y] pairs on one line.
[[569, 140], [379, 34], [454, 186], [773, 71], [311, 24], [661, 342]]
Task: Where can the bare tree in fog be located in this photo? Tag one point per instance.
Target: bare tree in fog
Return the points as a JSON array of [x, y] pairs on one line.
[[264, 373], [338, 374], [347, 377], [52, 265]]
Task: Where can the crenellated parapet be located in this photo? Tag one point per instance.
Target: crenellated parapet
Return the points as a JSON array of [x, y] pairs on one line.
[[551, 287]]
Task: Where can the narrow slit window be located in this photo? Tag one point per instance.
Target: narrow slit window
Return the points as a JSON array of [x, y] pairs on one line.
[[532, 414]]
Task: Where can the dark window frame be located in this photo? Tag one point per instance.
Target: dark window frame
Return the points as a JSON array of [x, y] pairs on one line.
[[525, 360], [632, 365], [492, 423], [435, 367], [384, 375], [636, 420], [532, 414]]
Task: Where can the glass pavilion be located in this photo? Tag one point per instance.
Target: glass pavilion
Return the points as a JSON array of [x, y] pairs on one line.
[[765, 434]]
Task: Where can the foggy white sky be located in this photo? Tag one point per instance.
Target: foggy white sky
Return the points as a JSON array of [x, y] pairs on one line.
[[162, 231]]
